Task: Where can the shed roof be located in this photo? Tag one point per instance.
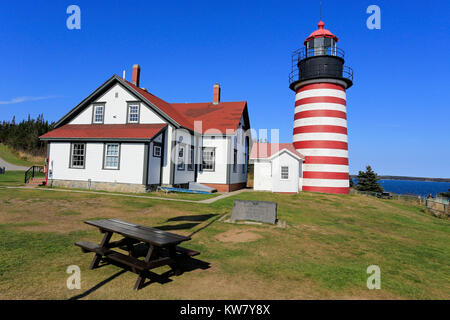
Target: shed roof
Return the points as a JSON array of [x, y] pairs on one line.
[[263, 150]]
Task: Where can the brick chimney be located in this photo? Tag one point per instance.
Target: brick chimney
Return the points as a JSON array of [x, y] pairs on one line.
[[216, 93], [136, 75]]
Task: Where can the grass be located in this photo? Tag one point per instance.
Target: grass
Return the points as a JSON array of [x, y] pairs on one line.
[[12, 178], [9, 155], [323, 253]]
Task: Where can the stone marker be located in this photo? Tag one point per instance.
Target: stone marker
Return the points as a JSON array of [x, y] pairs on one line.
[[261, 211]]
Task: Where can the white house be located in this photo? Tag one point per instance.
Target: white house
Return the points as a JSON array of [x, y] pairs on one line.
[[123, 138], [277, 167]]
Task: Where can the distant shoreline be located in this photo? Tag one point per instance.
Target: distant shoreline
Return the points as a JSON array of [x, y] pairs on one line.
[[410, 178]]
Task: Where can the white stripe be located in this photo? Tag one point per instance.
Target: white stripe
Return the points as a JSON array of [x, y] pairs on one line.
[[321, 106], [324, 152], [320, 136], [320, 93], [339, 183], [324, 121], [325, 168]]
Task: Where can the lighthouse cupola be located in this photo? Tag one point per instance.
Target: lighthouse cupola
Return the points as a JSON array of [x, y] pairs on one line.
[[320, 58], [320, 80]]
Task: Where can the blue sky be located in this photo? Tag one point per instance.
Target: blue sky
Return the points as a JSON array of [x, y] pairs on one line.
[[398, 108]]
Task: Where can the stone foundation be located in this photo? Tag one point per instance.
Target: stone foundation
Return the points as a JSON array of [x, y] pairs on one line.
[[95, 185]]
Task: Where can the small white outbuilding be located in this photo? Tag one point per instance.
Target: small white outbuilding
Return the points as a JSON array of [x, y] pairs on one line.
[[277, 167]]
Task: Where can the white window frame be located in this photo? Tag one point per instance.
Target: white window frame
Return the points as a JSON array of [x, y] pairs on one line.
[[72, 155], [137, 113], [94, 113], [180, 157], [159, 148], [213, 161], [105, 156], [284, 175]]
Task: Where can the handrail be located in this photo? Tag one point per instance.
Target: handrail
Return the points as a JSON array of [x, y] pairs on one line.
[[295, 75], [31, 172], [304, 53]]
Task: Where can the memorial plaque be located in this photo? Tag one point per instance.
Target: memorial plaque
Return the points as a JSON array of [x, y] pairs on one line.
[[261, 211]]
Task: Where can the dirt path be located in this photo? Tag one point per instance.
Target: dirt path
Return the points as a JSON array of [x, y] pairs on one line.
[[11, 167]]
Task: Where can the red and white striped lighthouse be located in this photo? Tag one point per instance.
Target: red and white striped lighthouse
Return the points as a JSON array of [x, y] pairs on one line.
[[319, 79]]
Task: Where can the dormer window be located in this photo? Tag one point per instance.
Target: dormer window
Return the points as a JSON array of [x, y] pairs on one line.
[[99, 113], [133, 113]]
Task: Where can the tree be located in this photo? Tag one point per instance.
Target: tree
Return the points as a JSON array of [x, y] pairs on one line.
[[368, 181], [351, 183], [24, 136], [445, 194]]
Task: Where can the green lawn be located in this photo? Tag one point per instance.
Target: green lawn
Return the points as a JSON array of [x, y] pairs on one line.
[[324, 252], [12, 178], [9, 156]]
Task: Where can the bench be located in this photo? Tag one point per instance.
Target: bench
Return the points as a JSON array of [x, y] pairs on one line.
[[127, 260], [187, 252]]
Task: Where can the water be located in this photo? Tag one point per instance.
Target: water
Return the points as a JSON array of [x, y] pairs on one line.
[[422, 188]]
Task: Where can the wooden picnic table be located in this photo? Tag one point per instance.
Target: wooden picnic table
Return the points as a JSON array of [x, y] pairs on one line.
[[163, 247]]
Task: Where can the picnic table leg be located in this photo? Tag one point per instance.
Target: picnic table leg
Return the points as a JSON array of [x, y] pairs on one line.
[[176, 268], [98, 257], [143, 274]]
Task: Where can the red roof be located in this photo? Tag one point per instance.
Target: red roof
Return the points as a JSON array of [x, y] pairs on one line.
[[164, 106], [321, 33], [105, 131], [222, 116], [262, 150]]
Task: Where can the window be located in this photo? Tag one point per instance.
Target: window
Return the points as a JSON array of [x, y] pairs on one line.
[[191, 159], [78, 155], [99, 113], [235, 161], [112, 155], [156, 150], [180, 165], [284, 173], [133, 113], [208, 159]]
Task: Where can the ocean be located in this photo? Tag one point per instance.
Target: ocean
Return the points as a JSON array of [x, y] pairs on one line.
[[422, 188]]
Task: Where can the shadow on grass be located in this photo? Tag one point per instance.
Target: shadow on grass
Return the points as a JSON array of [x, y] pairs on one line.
[[186, 265], [97, 286], [181, 226], [200, 217]]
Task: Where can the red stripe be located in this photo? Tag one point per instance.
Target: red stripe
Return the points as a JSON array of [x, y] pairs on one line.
[[320, 99], [320, 113], [325, 175], [320, 128], [318, 144], [320, 86], [335, 190], [326, 160]]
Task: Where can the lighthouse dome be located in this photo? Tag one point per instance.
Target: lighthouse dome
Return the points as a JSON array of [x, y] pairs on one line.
[[321, 33]]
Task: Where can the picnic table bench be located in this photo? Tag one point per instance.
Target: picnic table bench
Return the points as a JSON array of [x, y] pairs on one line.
[[163, 247]]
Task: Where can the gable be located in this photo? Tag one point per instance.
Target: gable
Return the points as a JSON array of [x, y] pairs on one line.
[[115, 101], [82, 113]]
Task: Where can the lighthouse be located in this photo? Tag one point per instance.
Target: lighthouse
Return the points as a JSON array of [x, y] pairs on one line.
[[320, 80]]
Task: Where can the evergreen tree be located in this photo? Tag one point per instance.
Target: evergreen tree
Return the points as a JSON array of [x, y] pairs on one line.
[[368, 181], [445, 194], [24, 136], [352, 184]]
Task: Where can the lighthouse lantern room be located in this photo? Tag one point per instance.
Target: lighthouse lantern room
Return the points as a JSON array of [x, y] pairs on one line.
[[320, 79]]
